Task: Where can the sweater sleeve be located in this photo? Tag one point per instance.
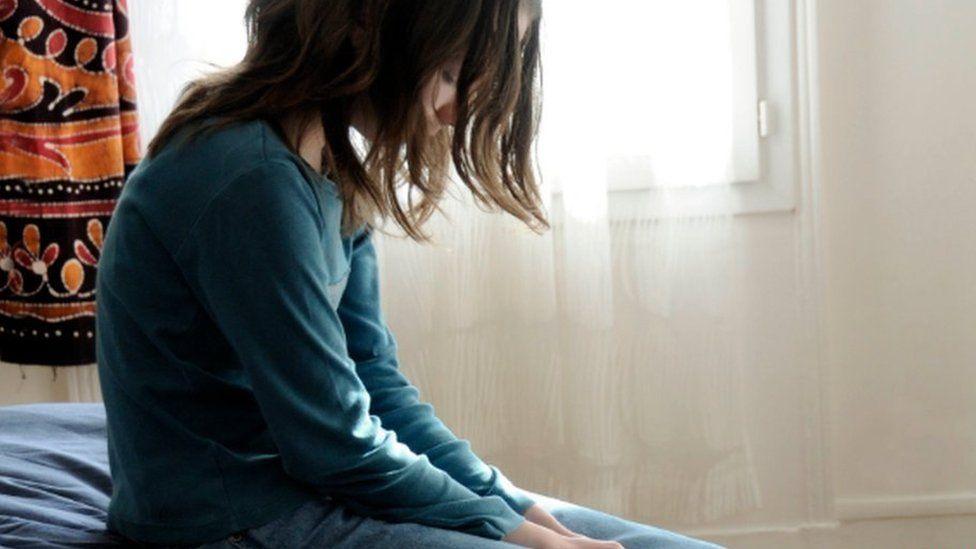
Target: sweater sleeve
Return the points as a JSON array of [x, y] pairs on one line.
[[256, 261], [394, 399]]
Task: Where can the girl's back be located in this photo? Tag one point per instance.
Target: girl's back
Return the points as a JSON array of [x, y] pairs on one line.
[[187, 440]]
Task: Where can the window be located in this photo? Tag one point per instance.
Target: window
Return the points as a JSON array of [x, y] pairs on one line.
[[689, 105]]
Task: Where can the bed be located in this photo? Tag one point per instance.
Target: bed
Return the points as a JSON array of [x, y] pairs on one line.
[[55, 485], [54, 476]]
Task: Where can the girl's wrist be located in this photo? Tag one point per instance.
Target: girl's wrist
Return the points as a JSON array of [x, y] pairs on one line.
[[539, 515], [535, 536]]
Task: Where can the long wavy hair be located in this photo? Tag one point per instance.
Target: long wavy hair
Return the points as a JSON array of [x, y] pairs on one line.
[[308, 58]]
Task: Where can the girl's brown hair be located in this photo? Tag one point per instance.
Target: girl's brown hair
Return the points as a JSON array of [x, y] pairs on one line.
[[327, 57]]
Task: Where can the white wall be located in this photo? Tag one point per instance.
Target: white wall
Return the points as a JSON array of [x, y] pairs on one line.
[[899, 185], [897, 182]]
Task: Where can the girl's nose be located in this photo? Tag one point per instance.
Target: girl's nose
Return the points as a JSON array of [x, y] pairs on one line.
[[447, 113]]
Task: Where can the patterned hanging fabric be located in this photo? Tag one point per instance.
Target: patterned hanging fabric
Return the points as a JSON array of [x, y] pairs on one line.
[[68, 140]]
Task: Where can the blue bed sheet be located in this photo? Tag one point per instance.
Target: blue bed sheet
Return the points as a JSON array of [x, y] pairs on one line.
[[55, 484]]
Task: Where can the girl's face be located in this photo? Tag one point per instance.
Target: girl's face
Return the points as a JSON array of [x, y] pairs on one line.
[[440, 93]]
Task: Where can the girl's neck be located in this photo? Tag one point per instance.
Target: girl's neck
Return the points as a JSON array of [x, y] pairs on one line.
[[313, 139]]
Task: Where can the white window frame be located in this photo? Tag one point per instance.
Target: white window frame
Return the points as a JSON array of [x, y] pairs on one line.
[[784, 73]]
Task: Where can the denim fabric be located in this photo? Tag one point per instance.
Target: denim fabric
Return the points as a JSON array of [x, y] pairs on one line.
[[326, 523]]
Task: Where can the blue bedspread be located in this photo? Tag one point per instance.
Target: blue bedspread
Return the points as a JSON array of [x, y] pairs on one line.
[[54, 476]]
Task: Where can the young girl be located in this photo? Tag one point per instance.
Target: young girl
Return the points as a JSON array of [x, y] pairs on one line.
[[251, 384]]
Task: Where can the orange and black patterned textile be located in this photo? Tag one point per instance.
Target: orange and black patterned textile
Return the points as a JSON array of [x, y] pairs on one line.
[[68, 140]]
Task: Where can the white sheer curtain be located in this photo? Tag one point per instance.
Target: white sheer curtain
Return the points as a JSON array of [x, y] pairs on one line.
[[599, 362]]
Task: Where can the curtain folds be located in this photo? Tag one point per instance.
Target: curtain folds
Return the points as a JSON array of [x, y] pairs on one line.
[[599, 362]]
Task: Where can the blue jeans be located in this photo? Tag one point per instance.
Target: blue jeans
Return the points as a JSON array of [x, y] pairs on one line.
[[325, 523]]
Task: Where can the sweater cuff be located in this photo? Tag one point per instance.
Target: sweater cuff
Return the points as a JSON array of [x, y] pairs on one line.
[[501, 486]]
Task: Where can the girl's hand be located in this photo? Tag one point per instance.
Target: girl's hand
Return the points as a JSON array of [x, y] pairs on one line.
[[534, 536], [542, 517], [583, 542]]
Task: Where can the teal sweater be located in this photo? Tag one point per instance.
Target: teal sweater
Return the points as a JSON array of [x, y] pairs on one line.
[[246, 366]]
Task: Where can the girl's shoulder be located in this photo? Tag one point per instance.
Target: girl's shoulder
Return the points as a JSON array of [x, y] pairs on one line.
[[174, 188], [208, 152]]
